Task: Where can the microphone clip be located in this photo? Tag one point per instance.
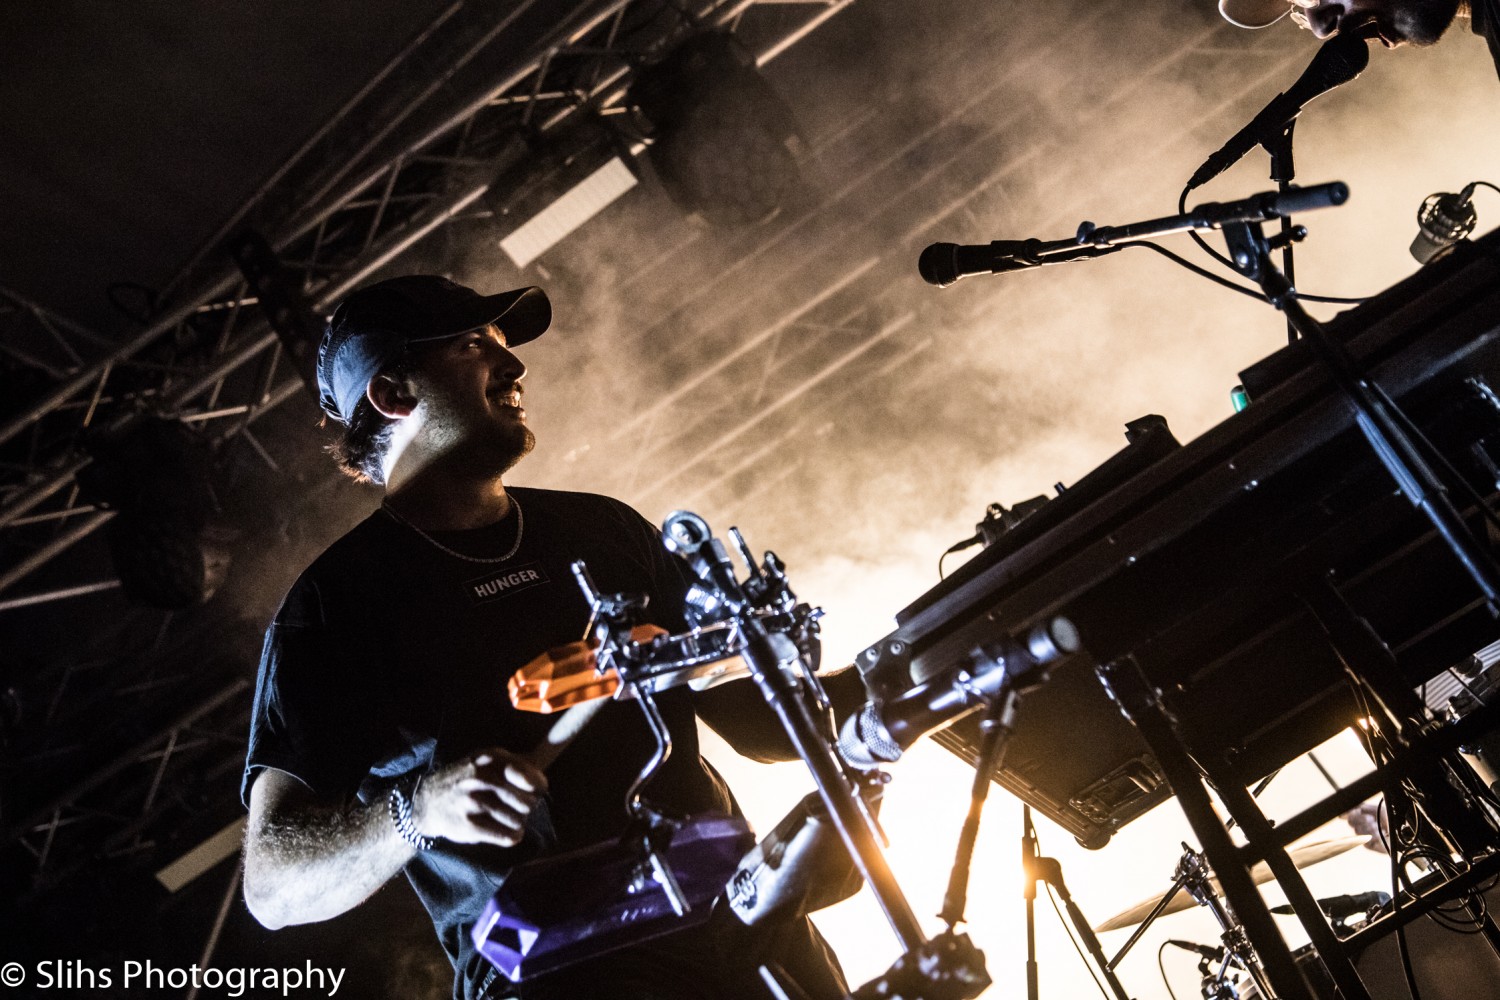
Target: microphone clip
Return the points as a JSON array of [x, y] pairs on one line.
[[998, 522], [1443, 220]]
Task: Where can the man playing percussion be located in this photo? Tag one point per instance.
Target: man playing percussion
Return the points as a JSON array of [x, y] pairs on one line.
[[1418, 22], [382, 739]]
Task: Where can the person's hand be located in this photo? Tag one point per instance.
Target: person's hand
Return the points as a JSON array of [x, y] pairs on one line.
[[1369, 820], [482, 799]]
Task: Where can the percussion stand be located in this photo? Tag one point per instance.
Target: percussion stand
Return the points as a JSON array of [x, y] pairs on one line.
[[944, 967]]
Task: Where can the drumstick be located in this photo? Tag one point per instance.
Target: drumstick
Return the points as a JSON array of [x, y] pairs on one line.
[[563, 732]]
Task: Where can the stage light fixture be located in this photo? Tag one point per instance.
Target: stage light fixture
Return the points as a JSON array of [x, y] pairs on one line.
[[725, 144], [548, 191], [167, 541]]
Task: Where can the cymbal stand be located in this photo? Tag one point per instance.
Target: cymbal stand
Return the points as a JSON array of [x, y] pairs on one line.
[[1216, 985], [1193, 877]]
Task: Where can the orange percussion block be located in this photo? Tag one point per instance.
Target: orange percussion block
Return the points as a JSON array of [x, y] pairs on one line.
[[568, 675]]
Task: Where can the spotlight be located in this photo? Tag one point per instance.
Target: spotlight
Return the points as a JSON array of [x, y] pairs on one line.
[[725, 144], [168, 546]]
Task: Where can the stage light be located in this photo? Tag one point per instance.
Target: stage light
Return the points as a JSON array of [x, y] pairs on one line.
[[725, 144], [577, 205], [166, 540]]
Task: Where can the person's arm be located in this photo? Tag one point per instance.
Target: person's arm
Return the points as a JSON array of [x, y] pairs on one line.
[[307, 859], [738, 712]]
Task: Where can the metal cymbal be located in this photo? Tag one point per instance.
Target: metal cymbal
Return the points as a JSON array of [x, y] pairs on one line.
[[1303, 856]]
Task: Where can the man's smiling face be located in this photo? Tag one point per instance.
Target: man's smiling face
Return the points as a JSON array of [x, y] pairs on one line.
[[470, 392]]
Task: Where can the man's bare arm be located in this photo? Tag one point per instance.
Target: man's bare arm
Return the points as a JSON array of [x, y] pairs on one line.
[[307, 859]]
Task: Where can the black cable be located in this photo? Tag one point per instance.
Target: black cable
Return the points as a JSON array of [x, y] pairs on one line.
[[1333, 299], [1464, 915], [1203, 245], [1486, 184], [1396, 880], [1233, 286], [1161, 966]]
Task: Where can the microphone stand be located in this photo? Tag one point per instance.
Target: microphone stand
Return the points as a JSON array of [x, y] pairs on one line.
[[996, 728], [1093, 241], [1374, 412], [1049, 870], [1283, 172], [1250, 252]]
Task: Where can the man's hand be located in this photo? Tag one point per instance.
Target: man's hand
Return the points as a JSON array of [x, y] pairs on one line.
[[483, 799]]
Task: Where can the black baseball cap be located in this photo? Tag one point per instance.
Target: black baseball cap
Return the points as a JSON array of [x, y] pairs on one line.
[[373, 326]]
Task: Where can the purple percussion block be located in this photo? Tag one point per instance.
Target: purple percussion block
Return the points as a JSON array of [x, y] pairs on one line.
[[556, 911]]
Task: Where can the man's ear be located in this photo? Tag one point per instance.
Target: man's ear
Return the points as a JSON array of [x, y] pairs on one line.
[[391, 397]]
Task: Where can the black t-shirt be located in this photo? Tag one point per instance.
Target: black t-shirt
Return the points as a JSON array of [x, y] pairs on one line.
[[390, 657], [1486, 24]]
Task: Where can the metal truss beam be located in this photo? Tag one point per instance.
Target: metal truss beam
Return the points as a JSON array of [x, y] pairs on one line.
[[348, 203], [108, 811]]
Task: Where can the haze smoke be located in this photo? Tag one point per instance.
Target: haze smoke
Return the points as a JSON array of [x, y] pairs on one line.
[[861, 432]]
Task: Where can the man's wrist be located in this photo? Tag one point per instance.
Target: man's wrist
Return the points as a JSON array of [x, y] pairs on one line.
[[399, 804]]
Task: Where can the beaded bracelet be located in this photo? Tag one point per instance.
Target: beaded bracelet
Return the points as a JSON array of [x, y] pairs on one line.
[[400, 807]]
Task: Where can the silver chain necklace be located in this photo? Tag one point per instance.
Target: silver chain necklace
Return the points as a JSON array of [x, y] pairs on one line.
[[520, 527]]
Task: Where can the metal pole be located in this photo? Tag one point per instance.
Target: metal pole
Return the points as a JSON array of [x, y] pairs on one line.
[[41, 490], [129, 349], [214, 242], [124, 760], [1141, 703], [58, 595], [844, 806], [213, 935], [52, 548]]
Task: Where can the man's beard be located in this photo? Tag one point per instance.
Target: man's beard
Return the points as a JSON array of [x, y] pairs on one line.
[[1423, 22], [511, 448]]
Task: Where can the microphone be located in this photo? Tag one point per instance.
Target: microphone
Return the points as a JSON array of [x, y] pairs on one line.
[[1442, 221], [880, 732], [1339, 60], [1212, 954], [942, 264], [1339, 907]]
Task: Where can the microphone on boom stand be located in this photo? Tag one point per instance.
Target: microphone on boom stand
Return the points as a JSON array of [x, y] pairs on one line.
[[1338, 60], [942, 264]]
